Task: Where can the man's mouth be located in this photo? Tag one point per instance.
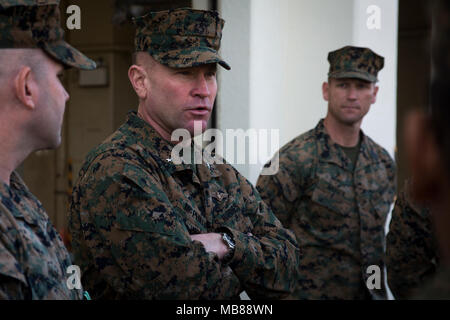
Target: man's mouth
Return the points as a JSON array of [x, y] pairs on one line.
[[351, 107], [200, 110]]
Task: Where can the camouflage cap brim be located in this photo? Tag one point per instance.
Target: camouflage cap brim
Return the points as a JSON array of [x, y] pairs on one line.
[[29, 3], [68, 55], [190, 57], [353, 75]]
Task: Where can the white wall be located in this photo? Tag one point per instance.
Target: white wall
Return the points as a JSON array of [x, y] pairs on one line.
[[233, 98], [290, 42], [278, 54], [200, 4], [381, 122]]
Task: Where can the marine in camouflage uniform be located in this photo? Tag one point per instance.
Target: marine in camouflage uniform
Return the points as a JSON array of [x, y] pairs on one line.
[[337, 208], [411, 250], [33, 259], [135, 209]]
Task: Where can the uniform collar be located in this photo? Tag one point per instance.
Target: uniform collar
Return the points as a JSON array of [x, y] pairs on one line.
[[329, 151], [16, 186], [147, 141], [368, 154], [11, 197]]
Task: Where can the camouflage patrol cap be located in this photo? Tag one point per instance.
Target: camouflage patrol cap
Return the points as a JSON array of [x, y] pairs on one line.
[[181, 38], [355, 62], [36, 24]]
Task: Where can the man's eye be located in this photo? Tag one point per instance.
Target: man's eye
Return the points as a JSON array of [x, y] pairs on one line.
[[184, 73]]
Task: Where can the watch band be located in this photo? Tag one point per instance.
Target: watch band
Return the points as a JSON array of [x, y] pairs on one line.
[[228, 239]]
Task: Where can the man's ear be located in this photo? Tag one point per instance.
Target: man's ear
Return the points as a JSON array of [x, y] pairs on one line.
[[25, 87], [138, 79], [375, 91], [325, 87], [423, 155]]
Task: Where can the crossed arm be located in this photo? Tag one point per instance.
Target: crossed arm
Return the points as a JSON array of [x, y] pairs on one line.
[[139, 241]]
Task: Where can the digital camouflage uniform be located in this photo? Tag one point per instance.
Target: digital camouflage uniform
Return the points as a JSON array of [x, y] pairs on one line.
[[411, 249], [33, 259], [133, 209], [337, 211]]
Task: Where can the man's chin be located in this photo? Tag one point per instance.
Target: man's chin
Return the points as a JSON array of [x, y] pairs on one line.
[[197, 127], [351, 121], [50, 145]]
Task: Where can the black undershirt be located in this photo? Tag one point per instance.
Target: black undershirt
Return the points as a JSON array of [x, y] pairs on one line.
[[352, 152]]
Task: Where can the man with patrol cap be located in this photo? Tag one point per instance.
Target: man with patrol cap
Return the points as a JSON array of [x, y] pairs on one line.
[[145, 226], [33, 259], [334, 187]]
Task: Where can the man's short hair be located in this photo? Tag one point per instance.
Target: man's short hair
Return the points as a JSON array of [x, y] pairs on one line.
[[12, 59]]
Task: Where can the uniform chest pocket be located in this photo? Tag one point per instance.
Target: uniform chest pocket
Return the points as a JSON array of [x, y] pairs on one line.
[[328, 197], [228, 210], [380, 203]]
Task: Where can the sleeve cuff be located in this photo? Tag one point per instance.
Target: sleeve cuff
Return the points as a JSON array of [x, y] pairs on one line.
[[242, 245]]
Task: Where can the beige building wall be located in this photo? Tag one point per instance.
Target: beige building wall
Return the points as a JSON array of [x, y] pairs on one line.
[[92, 113]]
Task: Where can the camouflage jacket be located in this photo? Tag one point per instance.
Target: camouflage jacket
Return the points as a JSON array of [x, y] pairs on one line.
[[133, 211], [337, 213], [33, 259], [411, 249]]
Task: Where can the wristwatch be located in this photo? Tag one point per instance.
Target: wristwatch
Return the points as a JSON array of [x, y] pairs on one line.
[[228, 239]]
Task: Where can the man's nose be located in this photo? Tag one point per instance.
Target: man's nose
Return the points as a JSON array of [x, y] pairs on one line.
[[352, 93], [66, 94], [201, 86]]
